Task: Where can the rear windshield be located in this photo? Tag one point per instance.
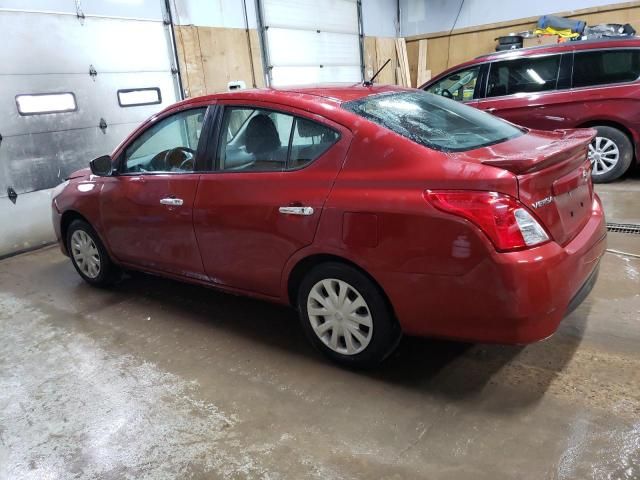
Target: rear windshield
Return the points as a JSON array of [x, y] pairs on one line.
[[433, 121]]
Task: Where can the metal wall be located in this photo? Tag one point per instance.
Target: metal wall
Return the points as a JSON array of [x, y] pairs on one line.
[[51, 47], [429, 16]]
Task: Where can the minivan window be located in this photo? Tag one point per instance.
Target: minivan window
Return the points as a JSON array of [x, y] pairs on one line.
[[433, 121], [459, 86], [603, 67], [523, 75]]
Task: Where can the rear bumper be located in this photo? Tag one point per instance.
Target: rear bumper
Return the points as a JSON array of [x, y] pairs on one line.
[[516, 297]]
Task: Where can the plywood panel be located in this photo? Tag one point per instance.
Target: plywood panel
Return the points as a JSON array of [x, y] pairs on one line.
[[190, 61], [256, 54], [211, 57], [386, 49], [412, 61], [370, 57], [446, 51]]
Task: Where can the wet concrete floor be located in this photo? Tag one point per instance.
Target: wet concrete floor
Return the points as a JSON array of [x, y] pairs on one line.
[[156, 379]]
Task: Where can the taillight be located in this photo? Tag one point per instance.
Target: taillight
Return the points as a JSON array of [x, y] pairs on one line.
[[507, 223]]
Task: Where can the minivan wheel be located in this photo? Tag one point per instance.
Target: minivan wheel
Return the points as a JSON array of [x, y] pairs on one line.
[[610, 153], [88, 255], [346, 316]]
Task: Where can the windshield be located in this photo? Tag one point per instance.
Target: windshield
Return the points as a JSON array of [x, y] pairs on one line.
[[435, 122]]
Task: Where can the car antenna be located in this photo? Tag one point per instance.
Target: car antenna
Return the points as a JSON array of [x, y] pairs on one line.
[[368, 83]]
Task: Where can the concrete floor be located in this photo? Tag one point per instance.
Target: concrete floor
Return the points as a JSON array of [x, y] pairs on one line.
[[155, 379]]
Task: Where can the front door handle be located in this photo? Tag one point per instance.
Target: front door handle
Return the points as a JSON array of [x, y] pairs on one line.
[[174, 202], [305, 211], [491, 110]]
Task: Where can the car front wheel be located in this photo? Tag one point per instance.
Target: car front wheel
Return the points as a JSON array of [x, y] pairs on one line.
[[88, 255], [346, 316], [610, 153]]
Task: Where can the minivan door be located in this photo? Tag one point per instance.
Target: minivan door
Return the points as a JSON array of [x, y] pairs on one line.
[[529, 91]]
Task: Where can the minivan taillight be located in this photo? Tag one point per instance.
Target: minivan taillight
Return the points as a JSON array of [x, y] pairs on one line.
[[508, 224]]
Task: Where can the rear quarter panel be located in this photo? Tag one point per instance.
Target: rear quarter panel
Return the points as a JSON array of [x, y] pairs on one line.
[[379, 193]]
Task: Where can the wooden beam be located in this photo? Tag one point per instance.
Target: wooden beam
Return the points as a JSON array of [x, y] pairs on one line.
[[422, 62]]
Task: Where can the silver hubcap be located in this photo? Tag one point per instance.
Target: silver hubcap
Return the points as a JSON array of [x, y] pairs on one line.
[[604, 155], [339, 316], [85, 253]]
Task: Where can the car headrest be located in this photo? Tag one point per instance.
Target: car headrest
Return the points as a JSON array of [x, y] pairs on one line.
[[309, 129], [262, 135]]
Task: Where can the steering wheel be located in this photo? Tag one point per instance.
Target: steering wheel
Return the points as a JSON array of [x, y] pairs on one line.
[[180, 158], [446, 93]]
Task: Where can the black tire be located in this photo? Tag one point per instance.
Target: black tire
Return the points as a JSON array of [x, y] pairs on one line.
[[385, 331], [108, 273], [625, 156]]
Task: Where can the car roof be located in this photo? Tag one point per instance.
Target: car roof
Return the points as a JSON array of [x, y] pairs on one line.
[[313, 98], [596, 44]]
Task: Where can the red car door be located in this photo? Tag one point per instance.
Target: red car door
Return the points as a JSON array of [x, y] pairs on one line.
[[274, 167], [529, 91], [147, 208]]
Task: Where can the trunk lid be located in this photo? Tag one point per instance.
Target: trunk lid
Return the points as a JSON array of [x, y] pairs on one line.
[[554, 177]]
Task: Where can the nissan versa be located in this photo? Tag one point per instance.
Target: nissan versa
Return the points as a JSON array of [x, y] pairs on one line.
[[374, 211]]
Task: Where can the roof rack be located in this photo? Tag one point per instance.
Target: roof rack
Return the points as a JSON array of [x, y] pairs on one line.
[[542, 47]]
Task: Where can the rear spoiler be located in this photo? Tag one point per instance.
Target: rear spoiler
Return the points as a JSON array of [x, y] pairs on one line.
[[572, 142]]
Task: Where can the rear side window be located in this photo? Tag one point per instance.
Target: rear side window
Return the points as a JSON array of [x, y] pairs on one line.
[[603, 67], [435, 122], [536, 74], [260, 140], [309, 141]]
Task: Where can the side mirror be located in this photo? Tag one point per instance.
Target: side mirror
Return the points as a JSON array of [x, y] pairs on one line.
[[102, 166]]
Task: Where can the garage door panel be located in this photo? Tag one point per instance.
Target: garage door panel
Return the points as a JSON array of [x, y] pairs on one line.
[[314, 75], [43, 160], [328, 15], [143, 9], [110, 45], [95, 99], [303, 47]]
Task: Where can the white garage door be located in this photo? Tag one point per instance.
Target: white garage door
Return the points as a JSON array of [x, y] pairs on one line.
[[75, 79], [311, 41]]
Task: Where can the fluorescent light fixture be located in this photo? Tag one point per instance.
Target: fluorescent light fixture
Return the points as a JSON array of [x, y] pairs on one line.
[[42, 103], [134, 97], [535, 77]]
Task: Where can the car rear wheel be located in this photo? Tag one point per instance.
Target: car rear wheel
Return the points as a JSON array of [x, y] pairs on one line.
[[88, 255], [610, 153], [346, 316]]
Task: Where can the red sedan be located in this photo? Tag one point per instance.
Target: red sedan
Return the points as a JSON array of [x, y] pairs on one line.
[[374, 211]]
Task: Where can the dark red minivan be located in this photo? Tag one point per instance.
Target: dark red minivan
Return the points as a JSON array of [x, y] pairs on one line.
[[575, 84]]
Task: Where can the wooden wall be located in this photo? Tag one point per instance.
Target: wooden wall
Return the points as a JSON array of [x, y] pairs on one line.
[[376, 51], [464, 44], [211, 57]]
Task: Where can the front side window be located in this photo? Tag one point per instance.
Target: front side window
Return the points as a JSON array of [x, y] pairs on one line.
[[433, 121], [168, 146], [460, 86], [524, 75], [603, 67], [260, 140]]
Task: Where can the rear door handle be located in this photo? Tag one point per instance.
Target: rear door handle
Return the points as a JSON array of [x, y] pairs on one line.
[[174, 202], [305, 211], [491, 110]]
